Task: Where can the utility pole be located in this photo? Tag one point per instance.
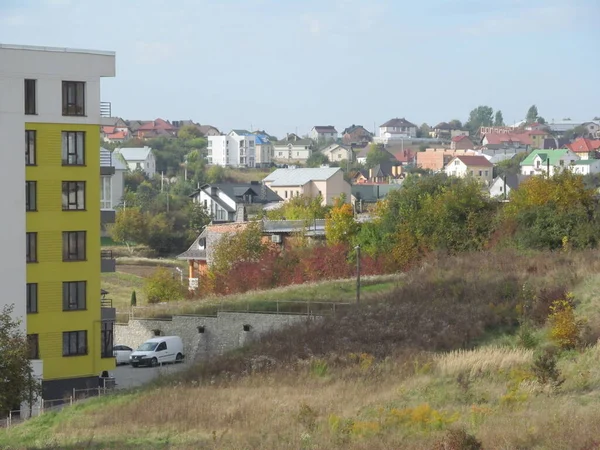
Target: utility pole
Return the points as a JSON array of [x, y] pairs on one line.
[[357, 248]]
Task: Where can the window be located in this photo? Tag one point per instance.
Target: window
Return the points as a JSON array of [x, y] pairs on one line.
[[456, 162], [74, 295], [480, 173], [285, 194], [33, 345], [73, 98], [30, 97], [501, 188], [30, 152], [537, 164], [472, 172], [487, 172], [31, 239], [73, 148], [205, 203], [73, 195], [106, 193], [30, 196], [32, 299], [562, 162], [161, 347], [106, 340], [73, 245], [74, 343]]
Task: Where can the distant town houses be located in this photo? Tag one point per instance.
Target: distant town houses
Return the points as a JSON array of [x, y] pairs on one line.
[[461, 142], [138, 158], [502, 186], [396, 130], [444, 130], [356, 134], [235, 149], [544, 162], [323, 133], [292, 149], [338, 152], [475, 166]]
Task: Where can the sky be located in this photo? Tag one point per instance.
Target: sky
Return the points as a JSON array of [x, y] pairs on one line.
[[287, 65]]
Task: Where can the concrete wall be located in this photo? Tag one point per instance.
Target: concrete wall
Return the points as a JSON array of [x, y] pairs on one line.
[[222, 333]]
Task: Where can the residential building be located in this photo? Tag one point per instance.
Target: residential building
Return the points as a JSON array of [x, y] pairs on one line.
[[326, 133], [554, 143], [263, 150], [444, 130], [338, 152], [471, 166], [585, 148], [227, 202], [361, 156], [542, 162], [435, 159], [209, 130], [328, 182], [593, 129], [563, 126], [236, 149], [506, 140], [356, 134], [586, 166], [461, 143], [292, 149], [138, 158], [501, 186], [396, 130], [405, 156], [112, 186], [366, 195], [386, 172], [50, 110], [156, 128]]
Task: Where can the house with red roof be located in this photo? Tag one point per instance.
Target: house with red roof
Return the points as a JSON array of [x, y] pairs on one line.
[[585, 148], [475, 166], [156, 128], [506, 140], [461, 143]]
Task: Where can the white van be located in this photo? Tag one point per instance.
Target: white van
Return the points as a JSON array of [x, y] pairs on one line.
[[158, 350]]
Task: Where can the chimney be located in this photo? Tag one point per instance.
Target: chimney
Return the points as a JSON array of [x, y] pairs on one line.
[[213, 190], [371, 174], [240, 213]]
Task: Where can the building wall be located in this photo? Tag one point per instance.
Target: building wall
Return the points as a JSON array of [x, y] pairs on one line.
[[217, 150], [222, 333]]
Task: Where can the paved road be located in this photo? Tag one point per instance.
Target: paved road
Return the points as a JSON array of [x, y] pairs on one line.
[[128, 377]]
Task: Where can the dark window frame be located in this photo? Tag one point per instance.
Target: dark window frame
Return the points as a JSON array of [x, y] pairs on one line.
[[80, 301], [32, 298], [33, 346], [74, 238], [107, 339], [30, 148], [79, 339], [30, 97], [75, 154], [75, 92], [31, 247], [69, 187], [31, 196]]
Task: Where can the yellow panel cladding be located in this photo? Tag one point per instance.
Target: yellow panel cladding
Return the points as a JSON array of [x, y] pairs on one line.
[[49, 221]]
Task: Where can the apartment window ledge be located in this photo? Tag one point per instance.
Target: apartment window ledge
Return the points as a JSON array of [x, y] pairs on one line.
[[32, 262], [74, 356], [74, 310], [32, 312], [74, 260], [74, 165], [74, 210]]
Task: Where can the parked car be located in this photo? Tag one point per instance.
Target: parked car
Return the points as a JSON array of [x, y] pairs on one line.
[[158, 350], [122, 354]]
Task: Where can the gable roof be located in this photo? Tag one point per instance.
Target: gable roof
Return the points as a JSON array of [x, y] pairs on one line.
[[158, 124], [365, 150], [204, 129], [294, 141], [325, 129], [461, 138], [299, 177], [353, 128], [584, 145], [397, 122], [512, 180], [404, 156], [553, 156], [236, 190], [474, 160], [384, 169], [261, 139], [134, 153], [332, 147], [241, 132], [443, 126], [501, 138], [106, 160]]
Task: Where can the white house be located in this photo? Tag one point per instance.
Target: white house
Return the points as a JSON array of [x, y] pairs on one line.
[[476, 166], [586, 166], [540, 162], [138, 158], [337, 152], [324, 133], [112, 185], [292, 149], [396, 130], [501, 186], [236, 149]]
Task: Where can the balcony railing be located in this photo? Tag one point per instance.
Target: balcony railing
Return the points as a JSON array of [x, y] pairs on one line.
[[106, 302], [106, 254], [105, 109], [107, 262]]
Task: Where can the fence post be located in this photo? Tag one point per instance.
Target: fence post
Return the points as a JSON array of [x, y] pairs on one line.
[[71, 401], [277, 302], [9, 419], [99, 390], [41, 406], [74, 393]]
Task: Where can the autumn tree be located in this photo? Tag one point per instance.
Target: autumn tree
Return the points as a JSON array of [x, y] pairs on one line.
[[163, 286], [340, 226], [245, 245], [130, 227], [301, 207], [17, 383]]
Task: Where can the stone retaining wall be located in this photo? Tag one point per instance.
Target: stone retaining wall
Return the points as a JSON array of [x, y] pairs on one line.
[[205, 336]]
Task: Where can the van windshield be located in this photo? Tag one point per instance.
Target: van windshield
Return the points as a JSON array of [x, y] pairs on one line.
[[147, 347]]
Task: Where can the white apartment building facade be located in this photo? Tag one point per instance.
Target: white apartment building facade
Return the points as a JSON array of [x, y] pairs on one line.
[[236, 149]]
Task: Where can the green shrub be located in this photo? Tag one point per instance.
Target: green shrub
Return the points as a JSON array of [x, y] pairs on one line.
[[133, 298], [163, 286]]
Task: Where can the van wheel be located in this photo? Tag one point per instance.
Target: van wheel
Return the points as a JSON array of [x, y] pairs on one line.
[[179, 358], [154, 362]]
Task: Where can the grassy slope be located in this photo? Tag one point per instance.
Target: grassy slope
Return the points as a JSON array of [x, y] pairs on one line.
[[345, 401]]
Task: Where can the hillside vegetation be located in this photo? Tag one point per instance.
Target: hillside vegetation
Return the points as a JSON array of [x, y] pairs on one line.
[[493, 350]]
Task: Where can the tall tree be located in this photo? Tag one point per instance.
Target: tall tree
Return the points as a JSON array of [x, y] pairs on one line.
[[455, 124], [340, 226], [423, 131], [482, 116], [130, 227], [17, 383], [532, 114], [376, 155], [498, 119]]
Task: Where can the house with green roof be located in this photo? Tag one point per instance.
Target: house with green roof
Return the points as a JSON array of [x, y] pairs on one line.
[[542, 162]]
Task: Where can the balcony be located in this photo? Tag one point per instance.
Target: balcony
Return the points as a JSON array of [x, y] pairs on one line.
[[105, 109], [108, 313], [107, 262], [107, 216]]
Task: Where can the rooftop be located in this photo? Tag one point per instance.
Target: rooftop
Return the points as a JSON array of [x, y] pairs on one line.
[[134, 153], [36, 48], [299, 177]]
